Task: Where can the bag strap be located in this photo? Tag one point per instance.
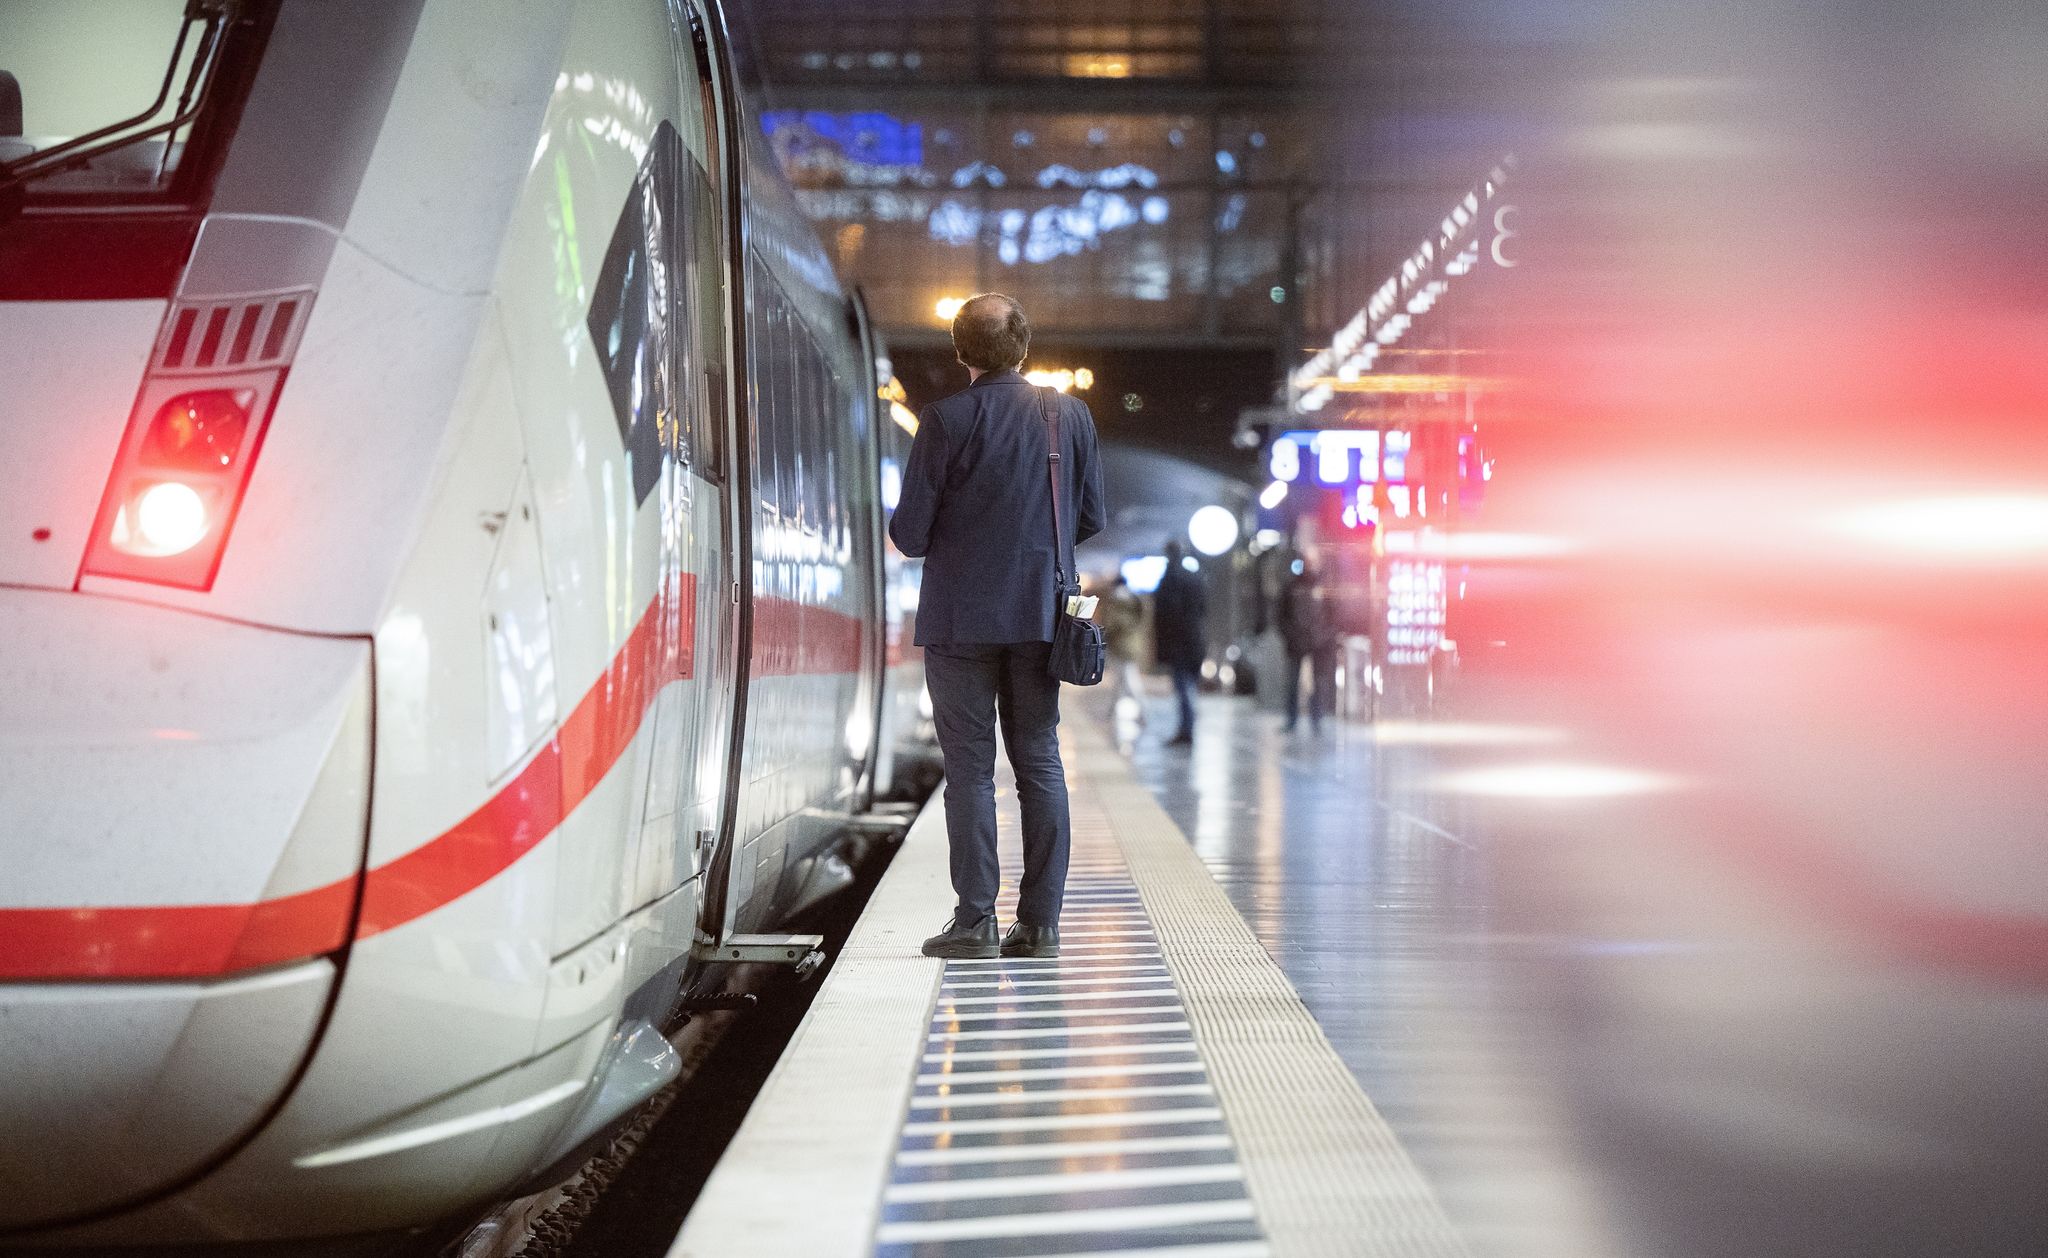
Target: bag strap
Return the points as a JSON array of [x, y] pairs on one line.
[[1048, 400]]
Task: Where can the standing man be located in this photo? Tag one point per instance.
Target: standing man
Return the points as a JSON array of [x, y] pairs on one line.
[[1179, 636], [1310, 635], [977, 508]]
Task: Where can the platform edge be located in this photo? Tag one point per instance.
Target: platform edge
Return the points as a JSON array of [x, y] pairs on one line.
[[806, 1170]]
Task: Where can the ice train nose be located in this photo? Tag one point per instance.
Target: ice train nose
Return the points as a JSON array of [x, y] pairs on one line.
[[182, 810]]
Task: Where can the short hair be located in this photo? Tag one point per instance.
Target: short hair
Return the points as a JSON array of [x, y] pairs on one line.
[[990, 332]]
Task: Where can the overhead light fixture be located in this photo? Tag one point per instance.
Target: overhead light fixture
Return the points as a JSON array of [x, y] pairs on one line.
[[1213, 530]]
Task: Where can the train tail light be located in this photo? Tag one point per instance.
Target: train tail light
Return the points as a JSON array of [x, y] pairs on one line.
[[183, 465]]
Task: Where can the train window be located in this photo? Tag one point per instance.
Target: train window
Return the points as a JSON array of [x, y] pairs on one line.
[[769, 351], [122, 103], [825, 427], [793, 431], [756, 383], [631, 316], [834, 432], [789, 437], [123, 111], [704, 249], [789, 408], [814, 497]]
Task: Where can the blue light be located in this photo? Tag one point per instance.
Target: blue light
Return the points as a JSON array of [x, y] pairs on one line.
[[1059, 174], [1285, 460], [955, 224], [1333, 462], [892, 484], [1226, 161], [874, 139], [1328, 452], [982, 171], [1048, 233], [1142, 574]]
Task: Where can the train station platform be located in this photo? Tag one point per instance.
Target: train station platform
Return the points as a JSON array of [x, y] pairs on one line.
[[1161, 1088]]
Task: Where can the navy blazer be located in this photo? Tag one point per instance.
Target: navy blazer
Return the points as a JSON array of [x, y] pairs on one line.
[[976, 507]]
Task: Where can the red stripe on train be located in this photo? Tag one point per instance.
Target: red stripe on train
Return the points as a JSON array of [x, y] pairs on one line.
[[560, 776], [207, 940]]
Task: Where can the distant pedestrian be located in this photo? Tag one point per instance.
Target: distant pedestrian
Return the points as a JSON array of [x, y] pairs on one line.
[[1180, 638], [1123, 622], [1310, 634], [976, 506]]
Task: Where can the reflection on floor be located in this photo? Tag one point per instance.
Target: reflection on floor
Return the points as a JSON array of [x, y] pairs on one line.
[[1383, 921]]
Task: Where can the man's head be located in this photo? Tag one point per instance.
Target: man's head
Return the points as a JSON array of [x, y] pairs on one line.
[[990, 333], [1174, 551]]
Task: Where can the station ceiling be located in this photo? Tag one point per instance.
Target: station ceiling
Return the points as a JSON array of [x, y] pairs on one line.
[[1134, 171]]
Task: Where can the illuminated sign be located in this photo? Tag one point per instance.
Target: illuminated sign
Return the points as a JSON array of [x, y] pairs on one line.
[[1417, 605], [1339, 457], [872, 139], [1413, 289], [1049, 231]]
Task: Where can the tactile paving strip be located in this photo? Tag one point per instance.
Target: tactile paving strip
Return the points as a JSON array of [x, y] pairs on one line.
[[1159, 1090], [1323, 1169], [1061, 1106]]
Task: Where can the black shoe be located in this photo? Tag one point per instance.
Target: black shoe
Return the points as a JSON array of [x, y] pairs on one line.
[[975, 941], [1031, 941], [1186, 738]]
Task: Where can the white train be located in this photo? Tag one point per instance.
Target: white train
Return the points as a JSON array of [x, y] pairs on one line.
[[441, 594]]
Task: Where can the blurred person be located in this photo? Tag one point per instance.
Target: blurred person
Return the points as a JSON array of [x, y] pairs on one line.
[[977, 509], [1123, 624], [1309, 633], [1180, 640]]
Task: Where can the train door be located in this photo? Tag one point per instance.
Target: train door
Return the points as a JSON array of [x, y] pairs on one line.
[[863, 486], [717, 464]]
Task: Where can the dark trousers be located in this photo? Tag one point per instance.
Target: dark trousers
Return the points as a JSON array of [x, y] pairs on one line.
[[1186, 679], [973, 687], [1322, 680]]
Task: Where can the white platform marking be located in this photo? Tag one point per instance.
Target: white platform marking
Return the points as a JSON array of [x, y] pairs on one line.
[[996, 1100], [951, 1155], [1063, 1072], [1031, 1033], [1112, 1220], [981, 1188], [1020, 1054], [957, 1018], [1064, 1122], [1053, 996]]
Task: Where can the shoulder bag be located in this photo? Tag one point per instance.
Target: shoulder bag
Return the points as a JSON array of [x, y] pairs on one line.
[[1079, 652]]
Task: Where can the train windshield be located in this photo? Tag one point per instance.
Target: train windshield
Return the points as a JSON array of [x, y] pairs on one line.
[[107, 103]]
